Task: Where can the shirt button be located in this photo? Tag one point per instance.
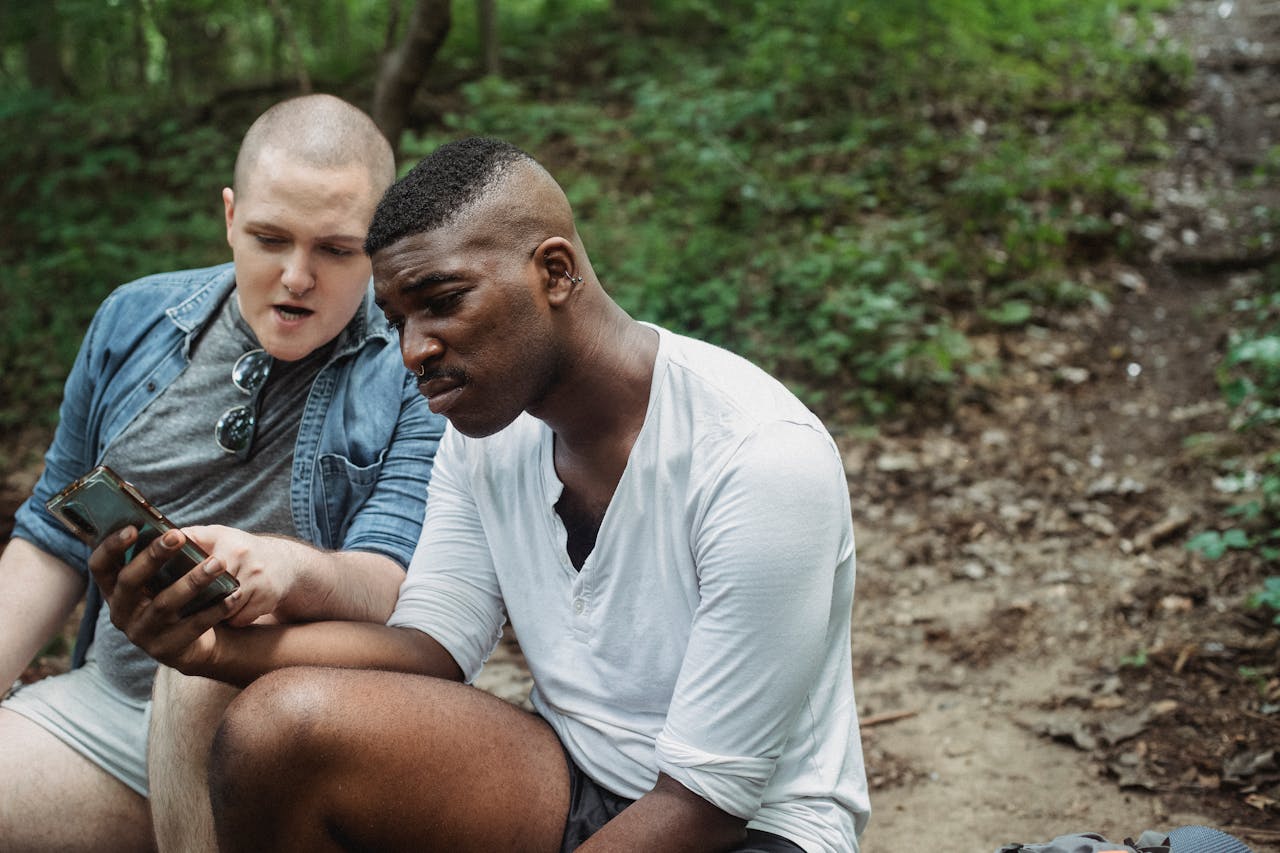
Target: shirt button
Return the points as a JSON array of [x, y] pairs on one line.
[[579, 605]]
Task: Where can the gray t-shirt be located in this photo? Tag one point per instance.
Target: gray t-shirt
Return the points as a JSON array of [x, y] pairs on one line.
[[169, 452]]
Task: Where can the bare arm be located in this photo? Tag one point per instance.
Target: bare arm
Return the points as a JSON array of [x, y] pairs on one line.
[[240, 655], [670, 818], [37, 594], [198, 645], [356, 585]]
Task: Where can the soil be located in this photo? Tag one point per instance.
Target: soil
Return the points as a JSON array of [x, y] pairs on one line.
[[1036, 650]]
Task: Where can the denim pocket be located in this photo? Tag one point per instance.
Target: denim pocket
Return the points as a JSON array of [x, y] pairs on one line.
[[344, 488]]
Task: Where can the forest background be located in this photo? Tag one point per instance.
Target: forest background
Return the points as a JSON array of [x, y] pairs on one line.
[[840, 190], [845, 192], [876, 201]]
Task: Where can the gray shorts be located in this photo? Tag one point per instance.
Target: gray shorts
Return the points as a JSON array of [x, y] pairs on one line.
[[592, 806], [88, 715]]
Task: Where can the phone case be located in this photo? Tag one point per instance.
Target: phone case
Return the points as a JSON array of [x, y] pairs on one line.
[[101, 502]]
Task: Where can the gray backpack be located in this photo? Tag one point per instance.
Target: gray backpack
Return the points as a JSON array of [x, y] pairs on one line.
[[1184, 839]]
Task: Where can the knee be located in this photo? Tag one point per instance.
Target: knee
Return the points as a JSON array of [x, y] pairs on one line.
[[272, 729]]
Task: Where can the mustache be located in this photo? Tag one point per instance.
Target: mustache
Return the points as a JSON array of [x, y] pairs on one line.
[[454, 374]]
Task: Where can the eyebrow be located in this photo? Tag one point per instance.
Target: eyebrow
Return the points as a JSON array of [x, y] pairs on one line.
[[431, 279], [421, 282], [325, 238]]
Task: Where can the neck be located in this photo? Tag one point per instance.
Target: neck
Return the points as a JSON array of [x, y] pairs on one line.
[[602, 401]]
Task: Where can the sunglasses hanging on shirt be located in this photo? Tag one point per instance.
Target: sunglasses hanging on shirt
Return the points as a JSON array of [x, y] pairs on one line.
[[235, 430]]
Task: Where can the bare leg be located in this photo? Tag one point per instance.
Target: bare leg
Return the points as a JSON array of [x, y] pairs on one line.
[[185, 712], [321, 759], [53, 798]]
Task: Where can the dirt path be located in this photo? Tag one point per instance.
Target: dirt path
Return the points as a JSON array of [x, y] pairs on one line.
[[1045, 654]]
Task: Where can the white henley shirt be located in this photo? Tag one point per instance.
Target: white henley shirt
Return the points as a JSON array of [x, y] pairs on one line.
[[707, 635]]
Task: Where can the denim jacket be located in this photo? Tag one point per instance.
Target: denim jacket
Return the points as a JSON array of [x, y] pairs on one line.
[[366, 441]]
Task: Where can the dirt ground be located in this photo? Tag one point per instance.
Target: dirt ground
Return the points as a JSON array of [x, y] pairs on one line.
[[1036, 652]]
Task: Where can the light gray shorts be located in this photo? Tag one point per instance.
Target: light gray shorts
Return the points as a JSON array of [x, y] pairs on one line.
[[85, 713]]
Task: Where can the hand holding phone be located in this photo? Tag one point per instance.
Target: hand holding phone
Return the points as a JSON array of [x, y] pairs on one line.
[[101, 503]]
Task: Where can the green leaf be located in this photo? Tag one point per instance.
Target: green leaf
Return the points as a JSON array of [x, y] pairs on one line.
[[1014, 312]]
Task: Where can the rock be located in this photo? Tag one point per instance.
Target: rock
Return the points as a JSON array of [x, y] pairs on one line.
[[1098, 524], [896, 462], [1110, 484]]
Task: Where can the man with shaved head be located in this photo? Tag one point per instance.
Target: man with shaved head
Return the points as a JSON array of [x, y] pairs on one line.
[[262, 401], [666, 528]]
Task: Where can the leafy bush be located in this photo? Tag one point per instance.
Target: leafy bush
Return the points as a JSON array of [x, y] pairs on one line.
[[839, 191], [95, 198]]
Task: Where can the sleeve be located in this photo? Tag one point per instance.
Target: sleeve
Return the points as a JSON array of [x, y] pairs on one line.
[[74, 448], [451, 592], [774, 538], [390, 520]]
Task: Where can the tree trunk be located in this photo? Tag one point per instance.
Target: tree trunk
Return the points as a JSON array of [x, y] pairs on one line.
[[404, 69], [636, 15], [141, 53], [290, 37], [43, 51], [487, 14]]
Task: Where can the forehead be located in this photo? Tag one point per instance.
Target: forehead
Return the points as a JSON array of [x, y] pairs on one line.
[[279, 182], [414, 257], [453, 250]]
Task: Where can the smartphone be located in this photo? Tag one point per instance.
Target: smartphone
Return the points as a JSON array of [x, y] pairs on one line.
[[102, 502]]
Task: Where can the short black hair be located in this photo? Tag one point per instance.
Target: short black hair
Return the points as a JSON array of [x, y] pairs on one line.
[[439, 188]]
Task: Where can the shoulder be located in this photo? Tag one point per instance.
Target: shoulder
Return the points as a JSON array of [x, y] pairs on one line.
[[180, 291], [177, 285], [724, 392]]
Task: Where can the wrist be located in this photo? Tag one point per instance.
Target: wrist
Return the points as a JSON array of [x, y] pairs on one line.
[[306, 570]]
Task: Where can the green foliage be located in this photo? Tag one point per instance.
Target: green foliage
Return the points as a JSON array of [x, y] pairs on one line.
[[1249, 377], [1137, 660], [1269, 597], [840, 190], [187, 51], [1213, 544], [96, 198]]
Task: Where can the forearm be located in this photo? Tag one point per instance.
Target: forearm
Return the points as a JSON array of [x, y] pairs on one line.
[[295, 581], [37, 594], [670, 818], [347, 585], [244, 654]]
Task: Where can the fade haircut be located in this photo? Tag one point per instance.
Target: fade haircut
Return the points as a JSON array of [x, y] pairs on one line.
[[321, 131], [440, 188]]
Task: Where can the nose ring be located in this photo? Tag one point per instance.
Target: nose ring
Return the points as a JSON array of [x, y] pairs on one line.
[[421, 370]]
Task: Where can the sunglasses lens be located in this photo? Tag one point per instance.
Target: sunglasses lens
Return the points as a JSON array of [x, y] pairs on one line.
[[251, 370], [234, 430]]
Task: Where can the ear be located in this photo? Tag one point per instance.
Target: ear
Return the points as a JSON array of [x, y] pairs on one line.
[[557, 262], [228, 207]]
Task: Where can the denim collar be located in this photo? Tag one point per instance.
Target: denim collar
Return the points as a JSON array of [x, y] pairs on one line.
[[193, 313]]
